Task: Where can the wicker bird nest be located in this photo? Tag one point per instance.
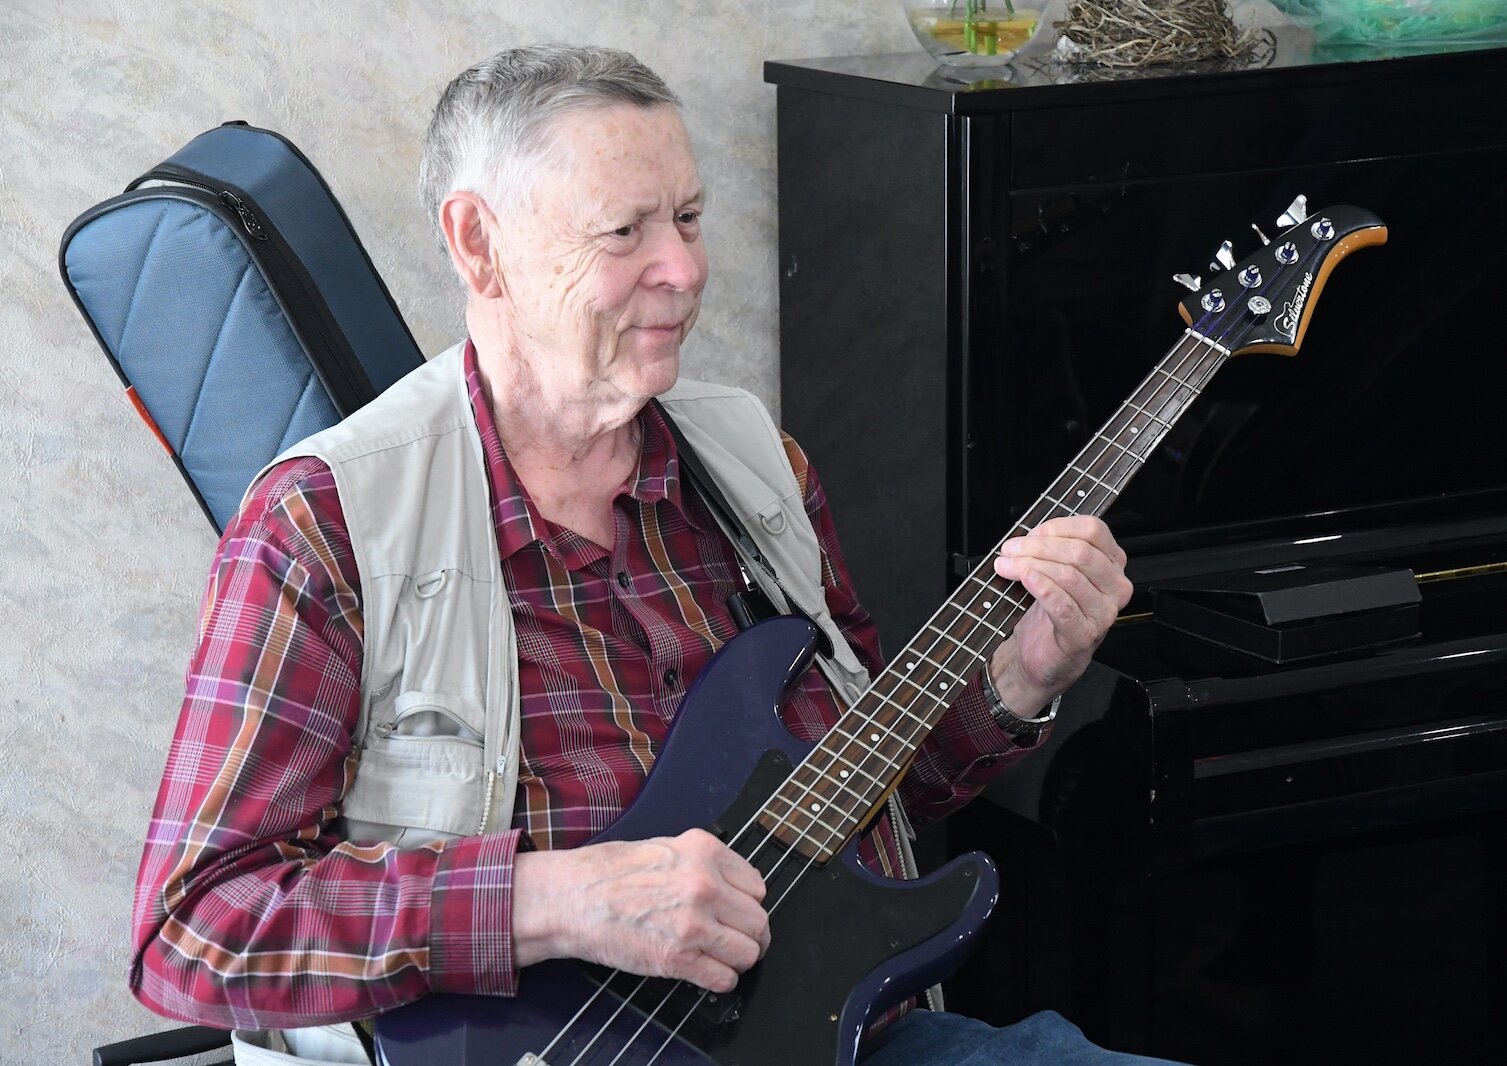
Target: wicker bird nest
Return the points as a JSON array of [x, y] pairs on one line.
[[1138, 33]]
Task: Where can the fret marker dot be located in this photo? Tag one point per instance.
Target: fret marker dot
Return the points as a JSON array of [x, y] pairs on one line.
[[1081, 492], [874, 737], [988, 604], [1135, 429], [910, 666], [815, 807], [842, 773], [941, 684]]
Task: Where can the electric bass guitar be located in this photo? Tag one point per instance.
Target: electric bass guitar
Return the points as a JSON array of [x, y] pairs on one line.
[[846, 942]]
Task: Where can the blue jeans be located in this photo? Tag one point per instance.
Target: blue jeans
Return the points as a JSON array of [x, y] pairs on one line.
[[928, 1038]]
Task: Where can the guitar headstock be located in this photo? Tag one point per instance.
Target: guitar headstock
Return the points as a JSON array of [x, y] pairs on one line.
[[1264, 302]]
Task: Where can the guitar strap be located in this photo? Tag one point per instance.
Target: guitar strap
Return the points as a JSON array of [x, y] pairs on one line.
[[368, 1043], [750, 606]]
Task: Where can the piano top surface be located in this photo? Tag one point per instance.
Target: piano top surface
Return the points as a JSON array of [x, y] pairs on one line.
[[1280, 56]]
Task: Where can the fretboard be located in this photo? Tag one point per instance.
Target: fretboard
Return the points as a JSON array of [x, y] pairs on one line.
[[845, 779]]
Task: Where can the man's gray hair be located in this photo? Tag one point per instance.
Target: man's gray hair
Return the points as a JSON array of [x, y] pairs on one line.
[[490, 129]]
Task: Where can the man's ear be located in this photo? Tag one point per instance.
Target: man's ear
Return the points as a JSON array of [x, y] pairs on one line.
[[464, 218]]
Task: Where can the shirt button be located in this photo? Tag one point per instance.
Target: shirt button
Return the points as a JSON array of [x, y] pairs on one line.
[[671, 677], [622, 578]]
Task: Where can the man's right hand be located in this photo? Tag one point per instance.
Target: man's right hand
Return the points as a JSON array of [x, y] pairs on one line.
[[684, 907]]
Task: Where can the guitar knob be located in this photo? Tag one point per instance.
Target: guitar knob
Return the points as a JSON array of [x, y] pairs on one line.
[[1323, 229], [1213, 301], [1224, 259], [1287, 253], [1189, 281], [1250, 277], [1296, 212]]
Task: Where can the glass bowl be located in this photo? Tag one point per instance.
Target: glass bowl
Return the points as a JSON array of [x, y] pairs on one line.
[[974, 33]]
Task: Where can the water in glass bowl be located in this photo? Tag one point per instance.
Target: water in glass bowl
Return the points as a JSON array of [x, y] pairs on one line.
[[964, 34]]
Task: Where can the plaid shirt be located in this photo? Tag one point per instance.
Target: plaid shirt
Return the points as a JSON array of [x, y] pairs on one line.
[[251, 911]]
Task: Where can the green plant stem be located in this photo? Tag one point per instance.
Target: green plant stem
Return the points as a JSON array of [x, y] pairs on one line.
[[974, 8]]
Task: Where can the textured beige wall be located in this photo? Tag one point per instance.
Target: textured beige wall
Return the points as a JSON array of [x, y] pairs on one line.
[[102, 550]]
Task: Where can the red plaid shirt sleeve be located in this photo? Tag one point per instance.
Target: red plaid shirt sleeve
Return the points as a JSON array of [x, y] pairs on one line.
[[250, 911]]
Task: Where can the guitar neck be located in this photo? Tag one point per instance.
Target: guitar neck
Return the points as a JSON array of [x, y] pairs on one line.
[[846, 778]]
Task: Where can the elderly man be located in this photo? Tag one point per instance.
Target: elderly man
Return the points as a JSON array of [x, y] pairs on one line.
[[443, 642]]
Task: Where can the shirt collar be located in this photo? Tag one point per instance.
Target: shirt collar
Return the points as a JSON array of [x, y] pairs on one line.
[[518, 521]]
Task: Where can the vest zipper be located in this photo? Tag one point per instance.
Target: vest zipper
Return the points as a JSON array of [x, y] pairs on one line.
[[486, 801]]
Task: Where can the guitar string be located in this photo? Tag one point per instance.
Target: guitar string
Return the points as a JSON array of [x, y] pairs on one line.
[[1195, 382], [648, 1020], [1216, 360], [1182, 379], [930, 654], [1140, 459], [984, 588], [1207, 359], [602, 1030], [899, 678], [1178, 384]]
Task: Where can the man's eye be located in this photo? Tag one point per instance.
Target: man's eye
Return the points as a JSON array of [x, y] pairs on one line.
[[625, 231], [688, 218]]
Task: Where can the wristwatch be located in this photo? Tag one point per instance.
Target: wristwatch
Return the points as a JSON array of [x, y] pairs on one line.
[[1024, 731]]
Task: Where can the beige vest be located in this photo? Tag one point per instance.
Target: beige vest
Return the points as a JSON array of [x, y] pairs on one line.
[[438, 731]]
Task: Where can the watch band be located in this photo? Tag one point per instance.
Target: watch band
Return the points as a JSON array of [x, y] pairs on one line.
[[1024, 731]]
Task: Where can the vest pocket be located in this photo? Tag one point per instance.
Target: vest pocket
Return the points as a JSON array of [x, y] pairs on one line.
[[424, 715], [422, 767]]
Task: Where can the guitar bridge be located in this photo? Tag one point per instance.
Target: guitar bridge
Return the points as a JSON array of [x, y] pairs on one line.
[[720, 1010]]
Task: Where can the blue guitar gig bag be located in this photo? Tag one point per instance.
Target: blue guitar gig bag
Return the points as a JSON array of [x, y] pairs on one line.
[[236, 303]]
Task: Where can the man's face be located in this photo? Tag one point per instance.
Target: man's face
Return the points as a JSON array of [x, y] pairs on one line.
[[602, 274]]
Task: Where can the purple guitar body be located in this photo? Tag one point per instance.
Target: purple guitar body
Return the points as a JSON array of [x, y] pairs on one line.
[[845, 942]]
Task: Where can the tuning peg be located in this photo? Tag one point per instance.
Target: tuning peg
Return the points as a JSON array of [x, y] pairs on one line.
[[1296, 212], [1264, 238], [1224, 259], [1188, 281]]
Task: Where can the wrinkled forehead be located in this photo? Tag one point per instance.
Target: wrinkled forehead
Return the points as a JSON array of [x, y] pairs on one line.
[[623, 150]]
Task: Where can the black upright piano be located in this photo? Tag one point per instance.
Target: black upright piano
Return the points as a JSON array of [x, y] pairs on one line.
[[1223, 854]]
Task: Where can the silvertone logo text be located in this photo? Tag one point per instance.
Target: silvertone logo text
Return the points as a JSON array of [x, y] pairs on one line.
[[1292, 311]]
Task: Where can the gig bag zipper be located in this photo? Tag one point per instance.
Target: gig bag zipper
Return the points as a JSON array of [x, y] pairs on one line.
[[338, 369]]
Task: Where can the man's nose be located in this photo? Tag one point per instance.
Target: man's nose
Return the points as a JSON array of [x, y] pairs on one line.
[[673, 260]]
